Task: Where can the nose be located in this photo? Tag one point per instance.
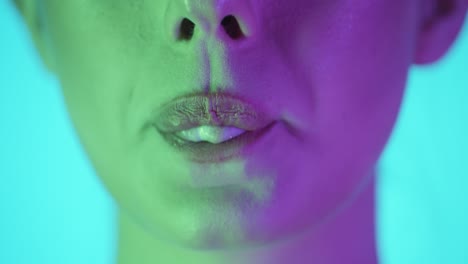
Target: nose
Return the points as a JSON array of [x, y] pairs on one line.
[[229, 21]]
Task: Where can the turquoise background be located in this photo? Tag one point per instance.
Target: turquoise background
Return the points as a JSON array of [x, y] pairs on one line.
[[54, 210]]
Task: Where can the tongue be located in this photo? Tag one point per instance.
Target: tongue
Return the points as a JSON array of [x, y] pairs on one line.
[[212, 134]]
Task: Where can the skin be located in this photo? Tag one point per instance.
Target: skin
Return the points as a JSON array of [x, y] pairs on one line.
[[332, 72]]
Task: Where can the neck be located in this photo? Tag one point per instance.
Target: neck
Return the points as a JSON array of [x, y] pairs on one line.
[[348, 237]]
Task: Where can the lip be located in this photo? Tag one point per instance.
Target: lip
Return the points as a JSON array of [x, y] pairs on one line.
[[213, 109]]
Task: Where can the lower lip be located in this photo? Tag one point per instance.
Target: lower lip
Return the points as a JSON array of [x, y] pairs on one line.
[[205, 152]]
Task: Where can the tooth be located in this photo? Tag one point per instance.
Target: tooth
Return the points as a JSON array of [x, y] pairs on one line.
[[212, 134]]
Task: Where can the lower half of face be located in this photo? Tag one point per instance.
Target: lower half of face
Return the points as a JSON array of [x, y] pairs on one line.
[[331, 83]]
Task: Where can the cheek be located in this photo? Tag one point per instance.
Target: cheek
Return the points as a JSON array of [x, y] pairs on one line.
[[361, 78], [356, 65]]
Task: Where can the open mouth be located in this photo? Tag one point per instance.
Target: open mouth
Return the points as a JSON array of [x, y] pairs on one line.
[[211, 127], [205, 151], [211, 134]]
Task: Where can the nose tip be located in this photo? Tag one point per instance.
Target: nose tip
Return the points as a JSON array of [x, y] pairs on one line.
[[222, 19]]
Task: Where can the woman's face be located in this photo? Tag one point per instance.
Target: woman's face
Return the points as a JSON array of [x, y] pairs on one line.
[[315, 83]]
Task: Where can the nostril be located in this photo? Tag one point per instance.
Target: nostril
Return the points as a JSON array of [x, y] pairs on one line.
[[232, 27], [186, 30]]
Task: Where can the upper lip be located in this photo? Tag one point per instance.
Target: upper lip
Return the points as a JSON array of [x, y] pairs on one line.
[[209, 109]]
